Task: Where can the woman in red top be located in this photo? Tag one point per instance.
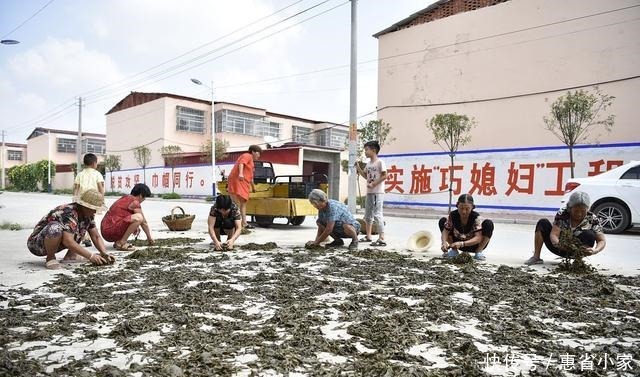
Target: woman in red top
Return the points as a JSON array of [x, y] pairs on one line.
[[240, 181], [125, 217]]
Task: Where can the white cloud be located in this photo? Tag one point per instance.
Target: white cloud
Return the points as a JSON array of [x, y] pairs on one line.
[[64, 63]]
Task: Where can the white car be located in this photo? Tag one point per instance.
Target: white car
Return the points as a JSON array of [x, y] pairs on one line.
[[615, 196]]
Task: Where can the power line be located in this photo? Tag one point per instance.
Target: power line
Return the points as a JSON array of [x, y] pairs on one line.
[[27, 20], [204, 55], [193, 50], [99, 98], [44, 117], [509, 97]]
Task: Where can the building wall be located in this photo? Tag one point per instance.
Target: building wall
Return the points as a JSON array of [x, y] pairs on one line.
[[134, 126], [154, 123], [11, 163], [500, 66], [504, 65], [188, 141]]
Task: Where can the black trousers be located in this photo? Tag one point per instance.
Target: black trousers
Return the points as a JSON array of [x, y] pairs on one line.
[[487, 231], [587, 237]]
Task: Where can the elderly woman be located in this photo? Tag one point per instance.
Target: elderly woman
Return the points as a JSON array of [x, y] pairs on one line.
[[575, 217], [464, 230], [64, 227], [224, 218], [240, 181], [335, 220]]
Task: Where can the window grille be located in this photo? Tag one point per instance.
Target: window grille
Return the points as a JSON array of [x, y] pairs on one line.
[[66, 145], [189, 120], [301, 135], [14, 155]]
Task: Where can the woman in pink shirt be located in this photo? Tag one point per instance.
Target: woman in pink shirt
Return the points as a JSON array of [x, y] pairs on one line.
[[125, 217]]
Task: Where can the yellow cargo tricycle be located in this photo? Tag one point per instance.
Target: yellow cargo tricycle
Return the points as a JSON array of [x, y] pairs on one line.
[[280, 196]]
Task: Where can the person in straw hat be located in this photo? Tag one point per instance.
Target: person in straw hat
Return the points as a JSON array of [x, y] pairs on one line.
[[464, 230], [125, 217], [64, 227]]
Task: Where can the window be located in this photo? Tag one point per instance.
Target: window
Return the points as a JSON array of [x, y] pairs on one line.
[[190, 120], [331, 137], [96, 146], [301, 135], [271, 129], [633, 173], [338, 138], [66, 145], [246, 124], [14, 155]]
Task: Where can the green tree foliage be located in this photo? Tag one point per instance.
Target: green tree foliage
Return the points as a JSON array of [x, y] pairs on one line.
[[575, 114], [112, 163], [172, 155], [450, 132], [142, 155], [372, 130], [27, 177], [221, 149]]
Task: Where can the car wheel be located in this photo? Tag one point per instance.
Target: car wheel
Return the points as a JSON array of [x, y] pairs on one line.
[[264, 221], [613, 217], [296, 220]]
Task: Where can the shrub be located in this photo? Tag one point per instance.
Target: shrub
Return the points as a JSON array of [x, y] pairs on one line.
[[63, 192], [171, 195], [10, 226]]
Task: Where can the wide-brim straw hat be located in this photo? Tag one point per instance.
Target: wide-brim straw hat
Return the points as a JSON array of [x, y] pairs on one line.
[[92, 199], [420, 241]]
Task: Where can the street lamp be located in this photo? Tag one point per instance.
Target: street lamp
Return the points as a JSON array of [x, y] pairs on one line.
[[213, 134], [9, 42]]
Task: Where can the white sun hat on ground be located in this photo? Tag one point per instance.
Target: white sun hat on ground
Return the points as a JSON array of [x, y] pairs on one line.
[[420, 241]]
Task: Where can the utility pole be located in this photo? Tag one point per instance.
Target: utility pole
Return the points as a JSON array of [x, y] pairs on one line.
[[79, 140], [49, 161], [3, 158], [353, 127]]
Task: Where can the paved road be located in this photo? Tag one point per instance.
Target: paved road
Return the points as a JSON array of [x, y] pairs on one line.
[[511, 244]]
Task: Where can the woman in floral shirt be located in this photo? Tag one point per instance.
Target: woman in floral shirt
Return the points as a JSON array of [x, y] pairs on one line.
[[65, 226], [584, 225], [465, 230]]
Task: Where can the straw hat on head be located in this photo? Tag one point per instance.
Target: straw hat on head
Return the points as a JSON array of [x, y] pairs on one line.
[[92, 199], [420, 241]]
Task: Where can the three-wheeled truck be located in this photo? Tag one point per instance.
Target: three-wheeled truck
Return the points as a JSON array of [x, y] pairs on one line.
[[280, 195]]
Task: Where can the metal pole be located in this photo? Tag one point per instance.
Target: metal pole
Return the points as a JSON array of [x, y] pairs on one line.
[[49, 159], [213, 143], [79, 140], [2, 160], [353, 128]]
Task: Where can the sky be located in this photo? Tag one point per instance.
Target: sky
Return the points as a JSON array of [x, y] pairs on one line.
[[286, 56]]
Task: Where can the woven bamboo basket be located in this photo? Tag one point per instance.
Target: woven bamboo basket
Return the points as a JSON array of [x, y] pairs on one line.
[[178, 221]]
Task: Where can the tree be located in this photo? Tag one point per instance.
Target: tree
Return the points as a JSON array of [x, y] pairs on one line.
[[450, 132], [575, 114], [372, 130], [142, 154], [112, 163], [221, 149], [172, 157], [26, 177]]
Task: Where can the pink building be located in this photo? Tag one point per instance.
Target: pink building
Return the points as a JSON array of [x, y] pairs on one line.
[[156, 120], [12, 154], [59, 146], [504, 63]]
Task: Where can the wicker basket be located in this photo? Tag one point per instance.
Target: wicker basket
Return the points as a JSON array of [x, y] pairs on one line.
[[178, 221]]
